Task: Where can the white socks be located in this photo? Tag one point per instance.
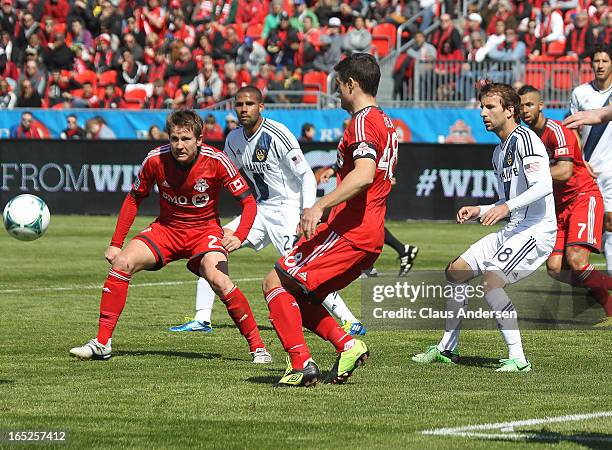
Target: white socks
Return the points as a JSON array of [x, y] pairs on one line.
[[205, 298], [499, 301], [337, 308], [450, 340]]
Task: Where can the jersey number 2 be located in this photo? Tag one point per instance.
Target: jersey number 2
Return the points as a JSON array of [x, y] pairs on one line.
[[389, 157]]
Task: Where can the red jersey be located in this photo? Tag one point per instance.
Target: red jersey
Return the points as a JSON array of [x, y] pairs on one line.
[[360, 220], [562, 145], [188, 196]]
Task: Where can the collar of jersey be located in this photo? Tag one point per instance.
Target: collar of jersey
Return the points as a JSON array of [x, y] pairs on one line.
[[362, 109], [254, 134]]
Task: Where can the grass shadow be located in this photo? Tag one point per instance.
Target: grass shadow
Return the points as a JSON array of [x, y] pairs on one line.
[[174, 354], [479, 361], [595, 441], [7, 381]]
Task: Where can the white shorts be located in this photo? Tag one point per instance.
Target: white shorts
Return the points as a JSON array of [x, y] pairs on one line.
[[273, 225], [511, 253], [604, 181]]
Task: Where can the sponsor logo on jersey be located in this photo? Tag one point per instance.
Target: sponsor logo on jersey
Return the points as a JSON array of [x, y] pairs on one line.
[[199, 200], [201, 185], [165, 184], [302, 275]]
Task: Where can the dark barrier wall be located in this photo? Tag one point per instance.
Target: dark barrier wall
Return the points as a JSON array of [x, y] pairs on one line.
[[92, 177]]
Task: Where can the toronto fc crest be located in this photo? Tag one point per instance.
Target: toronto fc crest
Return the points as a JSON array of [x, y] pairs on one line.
[[201, 185]]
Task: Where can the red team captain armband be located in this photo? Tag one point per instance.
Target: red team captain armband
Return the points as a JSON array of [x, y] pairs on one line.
[[363, 150]]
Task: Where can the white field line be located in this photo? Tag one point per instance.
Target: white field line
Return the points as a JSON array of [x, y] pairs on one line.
[[468, 431], [96, 286]]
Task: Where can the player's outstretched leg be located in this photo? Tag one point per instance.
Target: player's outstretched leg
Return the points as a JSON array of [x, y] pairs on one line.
[[205, 297], [337, 308], [407, 253], [213, 267], [352, 353]]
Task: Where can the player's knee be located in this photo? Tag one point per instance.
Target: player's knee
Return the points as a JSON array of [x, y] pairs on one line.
[[608, 224], [270, 281], [123, 263], [492, 280], [220, 283], [456, 272]]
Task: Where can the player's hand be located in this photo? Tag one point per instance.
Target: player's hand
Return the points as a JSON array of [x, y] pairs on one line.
[[467, 213], [230, 243], [111, 253], [326, 175], [495, 214], [580, 118], [590, 170], [310, 219]]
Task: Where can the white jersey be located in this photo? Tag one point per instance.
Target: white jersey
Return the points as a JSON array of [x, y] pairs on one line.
[[519, 163], [598, 149], [272, 162]]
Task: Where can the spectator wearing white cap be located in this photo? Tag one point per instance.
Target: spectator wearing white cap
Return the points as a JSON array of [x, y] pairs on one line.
[[334, 33], [473, 25], [231, 123]]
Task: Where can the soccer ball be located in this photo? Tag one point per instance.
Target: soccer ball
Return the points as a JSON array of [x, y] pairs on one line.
[[26, 217]]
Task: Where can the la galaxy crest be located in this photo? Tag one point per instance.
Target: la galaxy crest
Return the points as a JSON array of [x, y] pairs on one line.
[[261, 154], [509, 158]]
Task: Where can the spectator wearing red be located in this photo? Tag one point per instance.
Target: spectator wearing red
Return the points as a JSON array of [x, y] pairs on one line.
[[205, 89], [523, 11], [309, 44], [151, 18], [159, 98], [498, 10], [59, 86], [533, 43], [597, 11], [232, 73], [153, 44], [203, 48], [111, 99], [8, 17], [183, 31], [158, 67], [212, 131], [87, 97], [263, 79], [57, 9], [132, 71], [283, 43], [446, 33], [551, 27], [219, 11], [229, 49], [580, 41], [105, 58], [473, 25], [28, 128], [82, 60], [213, 33], [72, 130], [250, 13], [230, 90]]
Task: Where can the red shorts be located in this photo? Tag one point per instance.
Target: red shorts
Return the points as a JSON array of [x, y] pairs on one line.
[[170, 244], [581, 223], [326, 263]]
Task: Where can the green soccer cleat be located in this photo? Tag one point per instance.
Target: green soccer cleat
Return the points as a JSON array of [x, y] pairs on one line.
[[513, 365], [307, 377], [347, 362], [432, 354]]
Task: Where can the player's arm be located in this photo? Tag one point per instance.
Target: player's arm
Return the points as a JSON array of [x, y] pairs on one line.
[[562, 170], [466, 213], [140, 190], [238, 187], [565, 148], [356, 181], [535, 167], [592, 117], [296, 163]]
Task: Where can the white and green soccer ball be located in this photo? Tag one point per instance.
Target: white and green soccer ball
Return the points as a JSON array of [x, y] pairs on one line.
[[26, 217]]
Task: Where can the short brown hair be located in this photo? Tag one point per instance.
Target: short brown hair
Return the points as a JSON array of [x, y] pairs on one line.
[[185, 118], [509, 97], [363, 68]]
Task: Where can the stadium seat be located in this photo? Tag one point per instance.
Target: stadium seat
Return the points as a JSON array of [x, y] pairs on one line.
[[586, 73], [564, 72], [87, 76], [535, 75], [314, 81], [383, 39], [556, 48], [131, 105], [108, 77], [135, 96]]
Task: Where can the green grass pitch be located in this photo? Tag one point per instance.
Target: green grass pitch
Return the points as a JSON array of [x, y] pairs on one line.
[[165, 390]]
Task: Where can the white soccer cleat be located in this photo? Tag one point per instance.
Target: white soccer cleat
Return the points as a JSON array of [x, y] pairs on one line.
[[92, 350], [261, 356]]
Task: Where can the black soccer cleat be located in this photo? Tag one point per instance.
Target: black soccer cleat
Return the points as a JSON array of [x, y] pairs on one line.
[[306, 377], [407, 259]]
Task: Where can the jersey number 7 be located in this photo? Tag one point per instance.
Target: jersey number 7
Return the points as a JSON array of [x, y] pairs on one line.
[[389, 157]]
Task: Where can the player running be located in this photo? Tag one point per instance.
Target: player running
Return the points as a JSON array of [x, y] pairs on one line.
[[520, 163], [597, 139], [270, 158], [189, 176], [578, 203], [332, 256]]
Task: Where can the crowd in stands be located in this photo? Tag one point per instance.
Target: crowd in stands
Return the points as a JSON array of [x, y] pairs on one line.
[[157, 54], [504, 32]]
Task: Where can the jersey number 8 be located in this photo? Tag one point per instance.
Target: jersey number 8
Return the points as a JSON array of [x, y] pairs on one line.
[[389, 157]]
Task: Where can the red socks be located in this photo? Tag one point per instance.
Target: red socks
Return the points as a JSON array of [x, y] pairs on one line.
[[597, 284], [286, 319], [318, 320], [240, 311], [114, 294]]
